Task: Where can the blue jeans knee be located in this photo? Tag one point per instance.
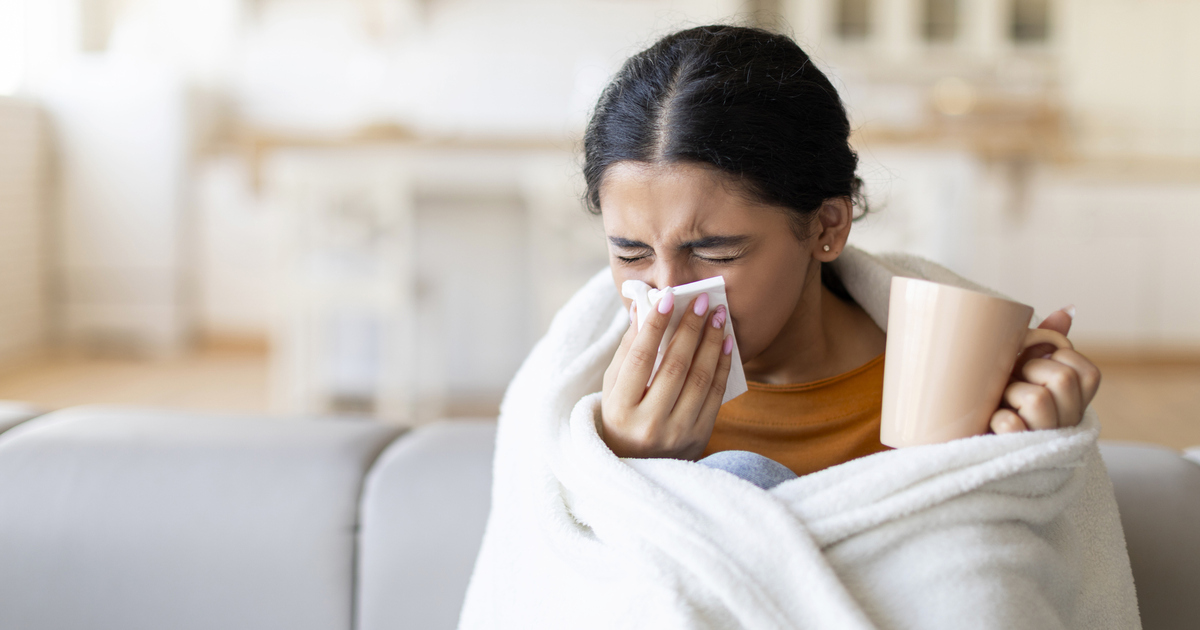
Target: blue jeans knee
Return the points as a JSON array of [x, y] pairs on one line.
[[761, 471]]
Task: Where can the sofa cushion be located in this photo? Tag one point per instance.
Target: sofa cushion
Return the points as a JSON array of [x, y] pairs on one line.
[[424, 509], [1158, 495], [121, 518]]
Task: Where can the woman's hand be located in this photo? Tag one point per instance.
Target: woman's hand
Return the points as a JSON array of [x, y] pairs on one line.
[[674, 416], [1049, 388]]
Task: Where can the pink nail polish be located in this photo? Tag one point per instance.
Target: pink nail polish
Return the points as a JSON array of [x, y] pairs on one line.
[[666, 303], [728, 346], [701, 304], [718, 319]]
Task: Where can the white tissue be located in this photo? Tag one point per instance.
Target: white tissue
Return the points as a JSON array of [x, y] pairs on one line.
[[647, 299]]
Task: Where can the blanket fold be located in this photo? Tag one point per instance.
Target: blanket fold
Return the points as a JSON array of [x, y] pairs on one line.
[[988, 532]]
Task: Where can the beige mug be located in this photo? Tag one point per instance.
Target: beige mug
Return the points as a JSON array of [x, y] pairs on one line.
[[950, 352]]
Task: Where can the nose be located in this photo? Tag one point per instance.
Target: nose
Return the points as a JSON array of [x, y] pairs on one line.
[[672, 274]]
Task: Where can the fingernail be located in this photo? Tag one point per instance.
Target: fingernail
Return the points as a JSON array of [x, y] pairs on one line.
[[1069, 310], [718, 319], [728, 347], [666, 303], [633, 312], [701, 304]]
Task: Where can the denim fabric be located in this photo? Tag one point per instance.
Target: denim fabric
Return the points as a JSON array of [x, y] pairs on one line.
[[761, 471]]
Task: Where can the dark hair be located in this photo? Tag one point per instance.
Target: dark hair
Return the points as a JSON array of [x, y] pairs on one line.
[[744, 101]]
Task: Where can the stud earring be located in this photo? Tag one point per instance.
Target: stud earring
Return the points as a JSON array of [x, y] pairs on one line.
[[826, 248]]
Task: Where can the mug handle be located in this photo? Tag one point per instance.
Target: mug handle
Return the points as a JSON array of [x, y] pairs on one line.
[[1037, 336]]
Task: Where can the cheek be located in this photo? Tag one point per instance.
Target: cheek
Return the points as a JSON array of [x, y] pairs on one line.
[[762, 305]]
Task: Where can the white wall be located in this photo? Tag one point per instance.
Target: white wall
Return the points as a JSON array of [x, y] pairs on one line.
[[121, 134], [1130, 76], [24, 312], [464, 67]]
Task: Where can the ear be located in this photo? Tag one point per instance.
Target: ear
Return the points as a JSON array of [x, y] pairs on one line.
[[832, 228]]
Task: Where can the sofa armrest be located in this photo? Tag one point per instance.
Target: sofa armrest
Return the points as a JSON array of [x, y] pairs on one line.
[[13, 413], [122, 518], [424, 510], [1158, 496]]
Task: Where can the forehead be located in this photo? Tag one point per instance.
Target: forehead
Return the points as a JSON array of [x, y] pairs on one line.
[[677, 201]]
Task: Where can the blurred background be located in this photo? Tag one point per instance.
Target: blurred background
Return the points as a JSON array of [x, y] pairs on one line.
[[372, 207]]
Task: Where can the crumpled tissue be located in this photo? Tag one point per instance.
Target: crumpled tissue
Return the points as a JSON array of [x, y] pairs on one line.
[[646, 299]]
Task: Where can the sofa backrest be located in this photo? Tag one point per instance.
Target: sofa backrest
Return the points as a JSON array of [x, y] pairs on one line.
[[132, 519], [424, 513]]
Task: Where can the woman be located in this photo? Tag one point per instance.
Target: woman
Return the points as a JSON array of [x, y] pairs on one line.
[[724, 151]]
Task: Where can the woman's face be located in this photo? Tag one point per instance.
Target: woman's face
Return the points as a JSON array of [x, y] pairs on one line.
[[671, 224]]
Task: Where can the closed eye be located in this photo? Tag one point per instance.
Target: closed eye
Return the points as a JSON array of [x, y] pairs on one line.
[[718, 258]]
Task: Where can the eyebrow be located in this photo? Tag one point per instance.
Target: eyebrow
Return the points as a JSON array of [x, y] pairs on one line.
[[708, 242]]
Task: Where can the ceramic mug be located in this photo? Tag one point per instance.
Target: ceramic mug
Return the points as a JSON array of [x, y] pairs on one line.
[[950, 352]]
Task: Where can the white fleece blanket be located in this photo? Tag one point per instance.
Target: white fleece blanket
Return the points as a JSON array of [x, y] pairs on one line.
[[1016, 531]]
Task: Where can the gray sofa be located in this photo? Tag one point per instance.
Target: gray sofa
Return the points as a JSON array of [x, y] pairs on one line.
[[133, 518]]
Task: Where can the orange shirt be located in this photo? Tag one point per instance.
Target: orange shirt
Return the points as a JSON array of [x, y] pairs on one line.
[[809, 426]]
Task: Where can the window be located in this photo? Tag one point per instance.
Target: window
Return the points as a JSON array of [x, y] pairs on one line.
[[940, 22], [1030, 21], [853, 19]]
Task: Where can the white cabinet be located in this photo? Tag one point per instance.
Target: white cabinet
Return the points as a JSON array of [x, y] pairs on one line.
[[345, 284], [412, 281], [1117, 244]]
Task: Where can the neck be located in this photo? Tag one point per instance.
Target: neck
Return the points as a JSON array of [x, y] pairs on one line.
[[824, 337]]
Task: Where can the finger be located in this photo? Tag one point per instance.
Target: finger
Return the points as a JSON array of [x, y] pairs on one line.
[[614, 368], [634, 371], [1051, 341], [1034, 403], [1063, 383], [677, 360], [716, 390], [1007, 421], [703, 371], [1060, 322], [1087, 372]]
